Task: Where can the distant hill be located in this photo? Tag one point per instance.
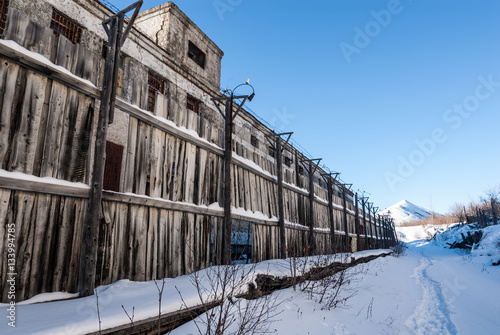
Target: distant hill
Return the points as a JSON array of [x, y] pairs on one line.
[[404, 211]]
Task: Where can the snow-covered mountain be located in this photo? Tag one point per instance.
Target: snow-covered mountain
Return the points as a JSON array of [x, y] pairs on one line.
[[404, 211]]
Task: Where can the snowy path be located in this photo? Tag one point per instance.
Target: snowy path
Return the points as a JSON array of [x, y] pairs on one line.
[[431, 317]]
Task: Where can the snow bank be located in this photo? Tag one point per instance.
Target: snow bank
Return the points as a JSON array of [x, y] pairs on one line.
[[488, 249], [79, 316]]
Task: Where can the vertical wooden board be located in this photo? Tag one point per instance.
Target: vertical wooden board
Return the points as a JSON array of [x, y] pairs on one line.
[[131, 155], [152, 244], [273, 198], [254, 192], [189, 242], [173, 105], [9, 74], [211, 177], [189, 173], [176, 242], [162, 244], [169, 167], [192, 120], [255, 244], [129, 252], [214, 134], [161, 105], [202, 170], [24, 232], [182, 119], [75, 219], [139, 236], [42, 215], [142, 157], [169, 244], [76, 59], [66, 54], [178, 186], [6, 218], [121, 252], [109, 213], [53, 138], [244, 185], [158, 166], [5, 221], [61, 248], [236, 197], [75, 129], [23, 144], [265, 197], [48, 247]]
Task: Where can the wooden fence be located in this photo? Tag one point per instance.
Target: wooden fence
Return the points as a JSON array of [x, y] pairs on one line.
[[166, 219]]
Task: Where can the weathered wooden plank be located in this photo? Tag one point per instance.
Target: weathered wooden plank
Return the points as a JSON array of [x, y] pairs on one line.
[[180, 149], [189, 173], [52, 145], [43, 186], [169, 168], [130, 168], [29, 34], [158, 166], [5, 221], [25, 222], [162, 244], [161, 105], [176, 256], [152, 244], [8, 96], [30, 100], [76, 59], [203, 170]]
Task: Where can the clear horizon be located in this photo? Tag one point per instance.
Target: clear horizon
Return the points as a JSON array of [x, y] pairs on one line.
[[401, 97]]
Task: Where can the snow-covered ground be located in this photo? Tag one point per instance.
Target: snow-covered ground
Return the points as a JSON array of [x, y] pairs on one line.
[[428, 290]]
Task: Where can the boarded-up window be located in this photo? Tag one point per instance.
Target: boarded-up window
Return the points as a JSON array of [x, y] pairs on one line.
[[155, 84], [254, 141], [196, 54], [64, 25], [4, 6], [113, 167], [193, 104]]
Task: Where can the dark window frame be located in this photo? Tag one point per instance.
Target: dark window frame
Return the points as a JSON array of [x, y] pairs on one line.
[[196, 55], [288, 161], [4, 8], [64, 25], [271, 151], [254, 141], [193, 104], [156, 83]]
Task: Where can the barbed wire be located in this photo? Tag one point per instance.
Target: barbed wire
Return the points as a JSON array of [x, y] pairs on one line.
[[110, 5]]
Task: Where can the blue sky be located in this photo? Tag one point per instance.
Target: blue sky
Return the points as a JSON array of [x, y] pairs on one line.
[[401, 97]]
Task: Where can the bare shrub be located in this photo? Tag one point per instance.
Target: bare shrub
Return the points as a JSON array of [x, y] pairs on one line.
[[218, 290], [398, 249], [330, 281]]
